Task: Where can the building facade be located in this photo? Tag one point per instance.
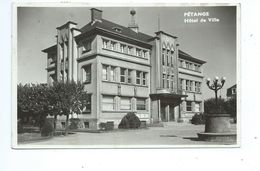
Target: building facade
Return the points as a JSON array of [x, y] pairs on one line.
[[126, 70]]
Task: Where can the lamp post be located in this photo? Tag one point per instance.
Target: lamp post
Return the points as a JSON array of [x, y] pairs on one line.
[[216, 85]]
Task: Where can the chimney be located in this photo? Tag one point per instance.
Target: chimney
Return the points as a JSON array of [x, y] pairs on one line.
[[133, 25], [96, 14]]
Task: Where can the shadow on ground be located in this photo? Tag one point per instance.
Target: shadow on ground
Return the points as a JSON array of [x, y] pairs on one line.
[[191, 138]]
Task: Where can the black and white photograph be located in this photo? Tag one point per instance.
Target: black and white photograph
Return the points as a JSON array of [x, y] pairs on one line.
[[126, 77]]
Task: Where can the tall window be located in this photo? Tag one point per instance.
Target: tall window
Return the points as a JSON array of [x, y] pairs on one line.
[[138, 52], [144, 78], [125, 103], [197, 107], [105, 72], [108, 103], [180, 84], [138, 77], [87, 108], [141, 104], [130, 50], [188, 106], [169, 58], [122, 75], [197, 87], [112, 73], [129, 77], [172, 82], [187, 85], [86, 75], [164, 81], [172, 57], [168, 81], [163, 56]]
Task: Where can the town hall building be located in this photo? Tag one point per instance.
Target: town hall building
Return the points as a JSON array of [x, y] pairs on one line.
[[125, 70]]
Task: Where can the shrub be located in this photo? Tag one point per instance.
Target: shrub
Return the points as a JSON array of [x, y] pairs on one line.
[[198, 119], [74, 122], [102, 125], [231, 107], [47, 129], [211, 107], [20, 128], [129, 121]]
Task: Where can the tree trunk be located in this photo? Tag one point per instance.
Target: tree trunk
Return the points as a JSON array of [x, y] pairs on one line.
[[67, 125], [55, 122]]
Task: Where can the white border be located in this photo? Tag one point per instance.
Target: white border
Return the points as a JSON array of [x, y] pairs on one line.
[[83, 4]]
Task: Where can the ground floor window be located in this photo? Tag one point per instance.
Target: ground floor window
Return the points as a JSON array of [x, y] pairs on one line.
[[188, 106], [108, 103], [197, 107], [141, 104], [125, 103]]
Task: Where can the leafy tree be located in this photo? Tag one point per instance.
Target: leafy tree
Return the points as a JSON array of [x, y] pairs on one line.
[[67, 98], [32, 101]]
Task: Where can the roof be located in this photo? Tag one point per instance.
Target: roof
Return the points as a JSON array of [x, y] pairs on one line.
[[186, 56], [110, 26], [50, 48]]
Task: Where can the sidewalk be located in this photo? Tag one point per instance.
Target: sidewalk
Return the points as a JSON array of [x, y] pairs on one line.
[[169, 135]]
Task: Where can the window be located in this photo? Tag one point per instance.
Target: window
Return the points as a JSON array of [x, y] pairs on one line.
[[163, 57], [172, 57], [122, 48], [138, 52], [180, 63], [197, 107], [86, 46], [105, 43], [191, 85], [197, 67], [144, 78], [104, 72], [138, 77], [172, 82], [187, 85], [197, 87], [169, 58], [86, 124], [113, 45], [188, 106], [141, 104], [168, 81], [164, 81], [180, 84], [125, 103], [129, 77], [122, 75], [112, 73], [87, 108], [86, 73], [108, 103], [130, 50]]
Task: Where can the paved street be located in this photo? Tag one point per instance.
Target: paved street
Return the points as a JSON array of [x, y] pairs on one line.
[[170, 134]]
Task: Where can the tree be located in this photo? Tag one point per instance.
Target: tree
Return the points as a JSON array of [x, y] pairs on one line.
[[32, 102], [231, 107], [67, 98]]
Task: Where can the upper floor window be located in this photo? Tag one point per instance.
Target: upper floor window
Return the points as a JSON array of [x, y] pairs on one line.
[[197, 87], [197, 67], [138, 52], [130, 50], [123, 48], [141, 78], [163, 56], [105, 43], [172, 82], [105, 72], [168, 81], [122, 75], [180, 84], [112, 73], [113, 45], [164, 81], [86, 73]]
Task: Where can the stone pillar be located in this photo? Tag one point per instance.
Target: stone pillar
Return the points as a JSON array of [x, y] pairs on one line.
[[167, 110], [159, 110]]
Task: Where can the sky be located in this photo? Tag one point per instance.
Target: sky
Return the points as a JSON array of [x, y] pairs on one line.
[[214, 42]]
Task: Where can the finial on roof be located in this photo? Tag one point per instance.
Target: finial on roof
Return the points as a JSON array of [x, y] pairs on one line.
[[133, 25]]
